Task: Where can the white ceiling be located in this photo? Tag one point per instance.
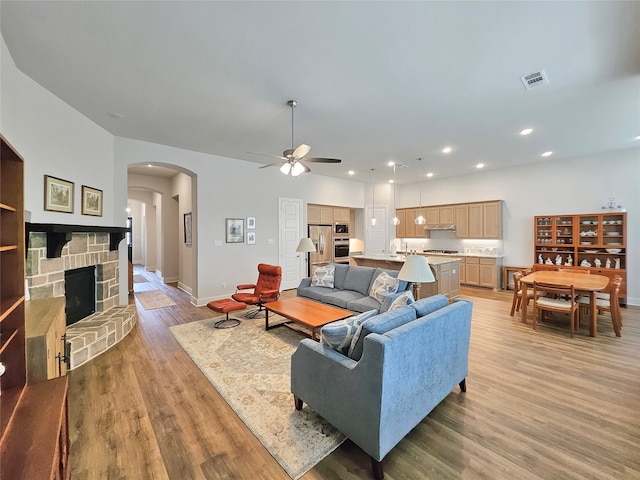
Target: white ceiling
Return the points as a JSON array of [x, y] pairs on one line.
[[375, 80]]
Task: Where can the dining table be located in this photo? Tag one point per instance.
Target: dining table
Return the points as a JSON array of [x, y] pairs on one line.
[[582, 283]]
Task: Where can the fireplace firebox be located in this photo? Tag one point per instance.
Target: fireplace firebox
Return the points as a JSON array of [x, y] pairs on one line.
[[80, 293]]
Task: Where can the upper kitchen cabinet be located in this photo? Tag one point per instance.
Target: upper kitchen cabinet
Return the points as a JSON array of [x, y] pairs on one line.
[[319, 214], [461, 220], [341, 215], [485, 220], [432, 215]]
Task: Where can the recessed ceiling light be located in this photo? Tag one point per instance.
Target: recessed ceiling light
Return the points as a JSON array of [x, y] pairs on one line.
[[430, 174], [636, 137], [119, 116], [547, 154], [391, 180], [446, 149], [391, 163], [480, 165], [149, 165], [351, 172], [526, 131]]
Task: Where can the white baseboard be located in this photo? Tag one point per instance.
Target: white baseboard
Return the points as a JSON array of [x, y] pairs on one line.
[[184, 288]]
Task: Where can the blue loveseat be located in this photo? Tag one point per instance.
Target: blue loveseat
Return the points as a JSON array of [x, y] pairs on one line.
[[352, 285], [402, 374]]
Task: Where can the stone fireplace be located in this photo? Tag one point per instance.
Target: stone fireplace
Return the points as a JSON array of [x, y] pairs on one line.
[[54, 250]]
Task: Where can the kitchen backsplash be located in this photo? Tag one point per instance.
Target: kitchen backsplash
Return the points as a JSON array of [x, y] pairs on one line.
[[480, 247]]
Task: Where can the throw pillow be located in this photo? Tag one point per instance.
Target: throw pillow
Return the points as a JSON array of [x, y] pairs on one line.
[[383, 285], [338, 335], [402, 301], [323, 276]]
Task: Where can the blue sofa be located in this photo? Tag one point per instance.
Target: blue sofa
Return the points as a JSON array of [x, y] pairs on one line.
[[402, 374], [351, 289]]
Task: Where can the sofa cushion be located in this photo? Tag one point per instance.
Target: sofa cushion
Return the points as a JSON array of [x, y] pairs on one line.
[[358, 279], [338, 334], [323, 276], [402, 300], [379, 324], [316, 293], [340, 275], [363, 304], [427, 305], [340, 298], [383, 285]]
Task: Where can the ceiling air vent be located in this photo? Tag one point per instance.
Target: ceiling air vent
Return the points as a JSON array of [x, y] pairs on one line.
[[535, 79]]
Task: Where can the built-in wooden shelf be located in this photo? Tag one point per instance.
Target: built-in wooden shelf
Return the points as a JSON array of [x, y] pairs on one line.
[[6, 248], [8, 305], [7, 207]]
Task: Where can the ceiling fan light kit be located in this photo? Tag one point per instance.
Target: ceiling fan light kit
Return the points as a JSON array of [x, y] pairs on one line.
[[292, 157]]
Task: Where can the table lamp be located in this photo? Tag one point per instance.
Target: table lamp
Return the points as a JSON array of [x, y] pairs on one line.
[[416, 270], [306, 246]]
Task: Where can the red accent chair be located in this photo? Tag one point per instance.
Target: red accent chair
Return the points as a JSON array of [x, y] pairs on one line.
[[265, 290]]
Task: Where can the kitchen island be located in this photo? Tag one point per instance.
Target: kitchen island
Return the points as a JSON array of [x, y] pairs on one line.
[[446, 271]]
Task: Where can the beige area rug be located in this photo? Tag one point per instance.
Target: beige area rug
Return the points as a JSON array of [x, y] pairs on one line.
[[139, 279], [153, 299], [250, 367]]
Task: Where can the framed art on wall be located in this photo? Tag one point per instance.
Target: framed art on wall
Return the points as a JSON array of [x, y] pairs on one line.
[[91, 201], [234, 228], [251, 223], [251, 238], [187, 228], [58, 195]]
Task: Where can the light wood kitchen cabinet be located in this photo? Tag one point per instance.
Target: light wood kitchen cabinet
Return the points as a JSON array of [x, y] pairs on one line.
[[461, 220], [463, 273], [472, 271], [485, 220], [488, 273], [401, 229], [432, 215], [407, 227], [341, 215], [320, 214], [446, 215]]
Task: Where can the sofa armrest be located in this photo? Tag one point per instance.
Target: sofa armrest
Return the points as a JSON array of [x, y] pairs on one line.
[[305, 282], [246, 286]]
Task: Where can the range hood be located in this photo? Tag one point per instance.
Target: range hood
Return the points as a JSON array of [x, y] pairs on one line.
[[440, 227]]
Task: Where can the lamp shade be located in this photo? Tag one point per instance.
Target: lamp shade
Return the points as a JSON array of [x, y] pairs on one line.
[[416, 270], [306, 245]]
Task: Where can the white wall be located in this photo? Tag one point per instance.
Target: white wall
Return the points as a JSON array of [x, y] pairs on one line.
[[181, 190], [68, 146], [580, 185]]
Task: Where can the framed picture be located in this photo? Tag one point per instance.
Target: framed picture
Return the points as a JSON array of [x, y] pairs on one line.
[[91, 201], [235, 230], [251, 238], [187, 228], [58, 195], [251, 223]]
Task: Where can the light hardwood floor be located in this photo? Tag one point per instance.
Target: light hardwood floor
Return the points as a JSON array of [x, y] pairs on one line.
[[539, 405]]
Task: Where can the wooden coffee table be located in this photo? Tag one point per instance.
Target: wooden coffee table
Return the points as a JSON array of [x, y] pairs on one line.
[[306, 312]]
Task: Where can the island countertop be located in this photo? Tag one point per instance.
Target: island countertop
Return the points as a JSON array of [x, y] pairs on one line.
[[386, 257]]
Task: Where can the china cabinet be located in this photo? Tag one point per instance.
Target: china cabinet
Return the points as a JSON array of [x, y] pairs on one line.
[[595, 241]]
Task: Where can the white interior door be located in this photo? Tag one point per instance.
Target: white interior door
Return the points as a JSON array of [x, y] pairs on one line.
[[292, 262], [376, 238]]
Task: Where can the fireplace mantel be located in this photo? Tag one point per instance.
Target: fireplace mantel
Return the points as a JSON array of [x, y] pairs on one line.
[[59, 234]]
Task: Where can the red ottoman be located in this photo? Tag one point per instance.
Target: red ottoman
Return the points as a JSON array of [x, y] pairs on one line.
[[226, 305]]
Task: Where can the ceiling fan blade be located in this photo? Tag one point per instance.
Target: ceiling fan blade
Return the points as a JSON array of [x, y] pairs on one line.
[[271, 164], [301, 151], [323, 160], [269, 155]]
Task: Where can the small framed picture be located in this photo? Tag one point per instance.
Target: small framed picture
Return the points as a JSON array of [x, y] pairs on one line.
[[187, 228], [91, 201], [251, 223], [234, 228], [251, 238], [58, 195]]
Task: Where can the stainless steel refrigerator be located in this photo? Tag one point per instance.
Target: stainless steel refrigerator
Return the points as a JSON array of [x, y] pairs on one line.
[[322, 238]]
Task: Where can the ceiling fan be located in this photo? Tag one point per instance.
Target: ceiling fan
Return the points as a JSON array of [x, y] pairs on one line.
[[291, 159]]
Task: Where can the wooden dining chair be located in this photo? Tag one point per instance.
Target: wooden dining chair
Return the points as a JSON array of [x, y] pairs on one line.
[[516, 304], [607, 301], [556, 298]]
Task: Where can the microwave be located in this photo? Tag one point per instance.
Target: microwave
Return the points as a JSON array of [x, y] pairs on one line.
[[342, 229]]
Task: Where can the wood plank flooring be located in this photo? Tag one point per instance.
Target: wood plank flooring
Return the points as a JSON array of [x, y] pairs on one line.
[[539, 405]]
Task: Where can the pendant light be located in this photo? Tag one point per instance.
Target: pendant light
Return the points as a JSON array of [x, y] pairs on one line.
[[374, 221], [420, 220], [395, 220]]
